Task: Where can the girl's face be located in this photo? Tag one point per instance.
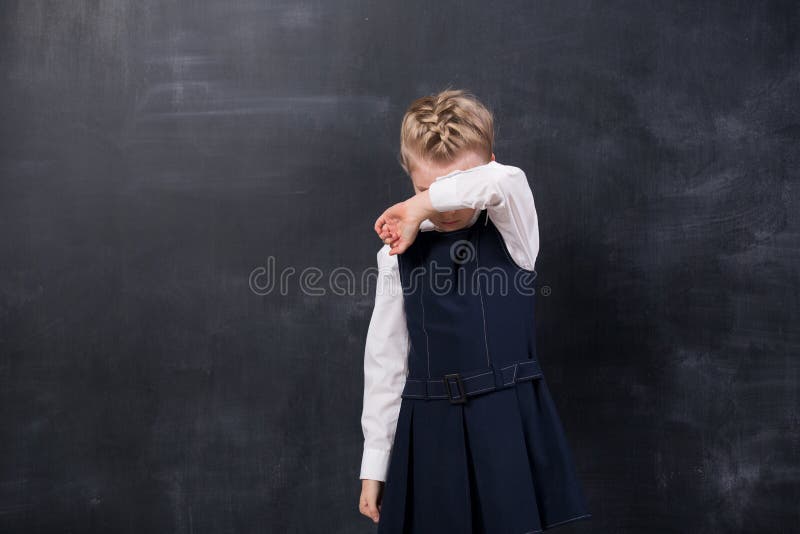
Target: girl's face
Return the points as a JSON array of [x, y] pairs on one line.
[[424, 173]]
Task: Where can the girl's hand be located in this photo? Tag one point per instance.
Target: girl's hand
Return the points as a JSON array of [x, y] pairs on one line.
[[398, 226], [370, 502]]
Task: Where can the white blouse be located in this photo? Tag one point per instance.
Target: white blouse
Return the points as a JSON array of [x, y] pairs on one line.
[[503, 190]]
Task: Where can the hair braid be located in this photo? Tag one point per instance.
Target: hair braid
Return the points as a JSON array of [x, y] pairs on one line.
[[441, 126]]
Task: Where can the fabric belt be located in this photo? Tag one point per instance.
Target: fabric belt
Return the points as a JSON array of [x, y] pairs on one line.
[[458, 387]]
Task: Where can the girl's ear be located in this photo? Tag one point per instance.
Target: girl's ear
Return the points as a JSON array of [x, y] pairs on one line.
[[492, 156]]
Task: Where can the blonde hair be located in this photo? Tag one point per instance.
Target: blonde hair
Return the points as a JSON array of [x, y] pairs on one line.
[[441, 126]]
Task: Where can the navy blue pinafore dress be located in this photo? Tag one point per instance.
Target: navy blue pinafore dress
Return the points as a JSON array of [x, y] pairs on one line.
[[479, 446]]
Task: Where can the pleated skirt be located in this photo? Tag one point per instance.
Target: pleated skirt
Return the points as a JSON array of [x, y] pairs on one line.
[[498, 464]]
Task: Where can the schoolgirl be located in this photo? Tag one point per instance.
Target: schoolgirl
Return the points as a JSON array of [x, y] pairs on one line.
[[460, 431]]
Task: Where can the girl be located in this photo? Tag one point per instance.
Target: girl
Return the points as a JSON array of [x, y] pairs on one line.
[[460, 431]]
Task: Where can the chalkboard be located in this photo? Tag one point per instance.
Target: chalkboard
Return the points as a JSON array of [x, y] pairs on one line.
[[160, 159]]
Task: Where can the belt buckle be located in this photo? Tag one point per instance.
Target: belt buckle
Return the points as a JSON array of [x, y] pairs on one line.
[[462, 396]]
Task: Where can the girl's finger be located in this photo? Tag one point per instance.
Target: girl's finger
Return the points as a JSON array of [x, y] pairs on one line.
[[379, 222]]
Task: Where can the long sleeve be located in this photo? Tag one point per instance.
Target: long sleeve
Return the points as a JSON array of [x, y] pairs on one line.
[[385, 368], [503, 190]]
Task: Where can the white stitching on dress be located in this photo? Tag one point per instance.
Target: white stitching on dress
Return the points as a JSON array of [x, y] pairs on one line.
[[427, 344], [480, 293]]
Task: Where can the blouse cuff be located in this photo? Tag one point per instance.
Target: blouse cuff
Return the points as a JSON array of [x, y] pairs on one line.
[[374, 464]]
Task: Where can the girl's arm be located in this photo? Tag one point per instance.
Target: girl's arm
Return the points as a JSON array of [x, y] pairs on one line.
[[504, 192], [385, 368]]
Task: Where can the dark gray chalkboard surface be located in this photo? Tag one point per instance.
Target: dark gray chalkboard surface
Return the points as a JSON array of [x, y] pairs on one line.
[[155, 154]]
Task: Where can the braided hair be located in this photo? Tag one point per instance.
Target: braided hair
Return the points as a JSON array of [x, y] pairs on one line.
[[441, 126]]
